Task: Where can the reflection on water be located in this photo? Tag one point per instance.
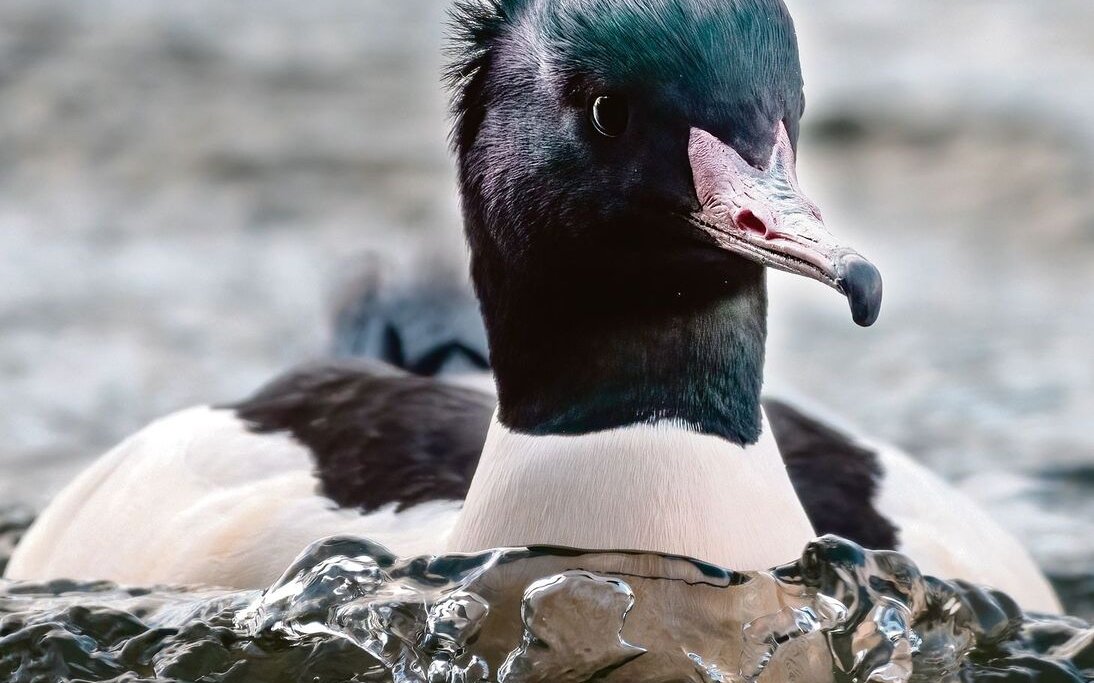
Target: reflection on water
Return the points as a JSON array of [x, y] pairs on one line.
[[348, 610]]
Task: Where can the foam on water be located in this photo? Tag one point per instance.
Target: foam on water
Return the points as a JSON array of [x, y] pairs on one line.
[[348, 610]]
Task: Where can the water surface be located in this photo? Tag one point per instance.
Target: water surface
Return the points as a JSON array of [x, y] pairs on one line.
[[347, 610]]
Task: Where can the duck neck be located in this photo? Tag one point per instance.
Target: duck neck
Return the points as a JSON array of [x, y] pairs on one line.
[[608, 345], [629, 417]]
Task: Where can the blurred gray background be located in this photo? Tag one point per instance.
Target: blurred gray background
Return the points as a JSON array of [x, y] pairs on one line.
[[185, 187]]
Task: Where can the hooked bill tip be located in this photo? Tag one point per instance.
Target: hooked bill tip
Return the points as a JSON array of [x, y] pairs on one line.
[[861, 281]]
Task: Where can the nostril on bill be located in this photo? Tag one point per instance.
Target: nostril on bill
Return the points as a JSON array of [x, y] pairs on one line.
[[750, 222]]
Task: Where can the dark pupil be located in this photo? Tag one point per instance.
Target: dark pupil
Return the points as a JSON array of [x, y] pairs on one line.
[[610, 115]]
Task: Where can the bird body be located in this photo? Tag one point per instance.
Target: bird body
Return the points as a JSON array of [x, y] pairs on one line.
[[230, 496], [198, 498]]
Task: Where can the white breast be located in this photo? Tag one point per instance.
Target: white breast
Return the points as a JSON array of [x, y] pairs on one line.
[[198, 498], [661, 488]]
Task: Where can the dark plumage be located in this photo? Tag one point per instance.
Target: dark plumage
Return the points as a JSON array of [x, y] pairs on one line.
[[835, 478], [378, 436], [603, 305]]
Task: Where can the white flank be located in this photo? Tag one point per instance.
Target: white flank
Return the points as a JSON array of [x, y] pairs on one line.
[[196, 498], [949, 536]]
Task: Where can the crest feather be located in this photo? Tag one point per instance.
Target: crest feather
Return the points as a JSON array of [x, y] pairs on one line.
[[474, 27]]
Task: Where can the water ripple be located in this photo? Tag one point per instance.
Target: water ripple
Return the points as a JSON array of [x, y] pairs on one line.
[[349, 610]]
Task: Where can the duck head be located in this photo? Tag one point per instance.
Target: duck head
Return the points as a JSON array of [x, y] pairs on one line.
[[627, 171]]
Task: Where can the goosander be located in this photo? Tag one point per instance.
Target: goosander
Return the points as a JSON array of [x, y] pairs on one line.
[[627, 175]]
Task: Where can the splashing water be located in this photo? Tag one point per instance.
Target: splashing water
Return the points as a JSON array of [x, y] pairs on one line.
[[349, 611]]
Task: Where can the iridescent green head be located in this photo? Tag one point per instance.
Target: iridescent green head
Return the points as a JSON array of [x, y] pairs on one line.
[[627, 170], [729, 66]]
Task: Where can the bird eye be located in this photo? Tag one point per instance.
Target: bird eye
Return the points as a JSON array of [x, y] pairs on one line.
[[609, 114]]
